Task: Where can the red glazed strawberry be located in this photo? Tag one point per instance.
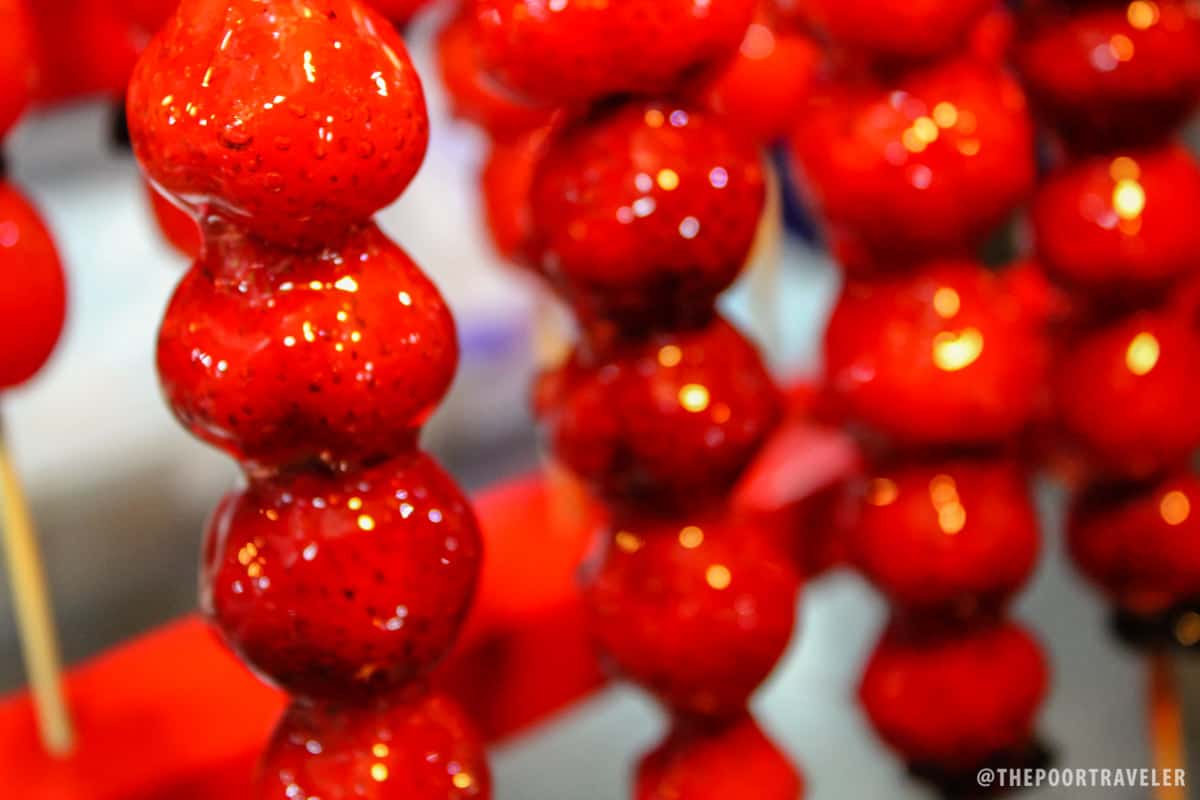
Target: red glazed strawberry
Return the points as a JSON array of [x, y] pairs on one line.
[[717, 761], [765, 87], [327, 128], [1138, 543], [278, 356], [33, 302], [505, 183], [1120, 223], [697, 609], [179, 228], [949, 538], [18, 61], [893, 29], [646, 206], [579, 50], [946, 355], [954, 702], [415, 749], [343, 586], [474, 94], [924, 165], [1111, 74], [672, 417], [85, 47], [1127, 392]]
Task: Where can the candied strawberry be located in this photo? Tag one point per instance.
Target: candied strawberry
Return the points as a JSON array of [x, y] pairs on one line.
[[33, 303], [946, 355], [476, 95], [1127, 392], [505, 181], [894, 28], [946, 537], [1122, 222], [953, 702], [644, 207], [327, 128], [178, 227], [578, 50], [702, 760], [18, 61], [343, 586], [669, 417], [408, 749], [1138, 543], [1111, 75], [920, 165], [696, 608], [280, 356], [85, 47], [765, 87]]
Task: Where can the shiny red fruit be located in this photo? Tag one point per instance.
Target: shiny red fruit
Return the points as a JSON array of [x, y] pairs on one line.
[[178, 227], [1139, 543], [580, 50], [1121, 222], [1127, 391], [697, 609], [410, 749], [476, 95], [326, 129], [949, 537], [343, 586], [1111, 75], [646, 206], [895, 29], [923, 165], [281, 357], [672, 417], [953, 702], [765, 87], [33, 303], [722, 760], [505, 182], [947, 355], [84, 47], [18, 61]]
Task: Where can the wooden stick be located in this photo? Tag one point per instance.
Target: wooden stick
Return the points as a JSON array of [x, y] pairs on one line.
[[35, 621], [1166, 725]]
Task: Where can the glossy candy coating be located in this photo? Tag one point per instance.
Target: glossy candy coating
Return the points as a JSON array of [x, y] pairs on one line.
[[947, 537], [697, 609], [580, 50], [178, 227], [1110, 75], [644, 207], [1127, 392], [1122, 222], [677, 415], [894, 29], [18, 60], [948, 355], [296, 120], [955, 701], [1138, 543], [417, 749], [922, 165], [713, 761], [34, 296], [343, 587], [280, 356]]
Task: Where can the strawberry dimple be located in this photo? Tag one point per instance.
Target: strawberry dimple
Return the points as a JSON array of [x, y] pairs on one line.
[[568, 50], [279, 356], [297, 120], [343, 586]]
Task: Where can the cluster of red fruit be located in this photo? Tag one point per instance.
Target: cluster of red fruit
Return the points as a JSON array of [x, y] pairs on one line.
[[308, 346], [33, 300], [913, 152], [1114, 226], [639, 203]]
